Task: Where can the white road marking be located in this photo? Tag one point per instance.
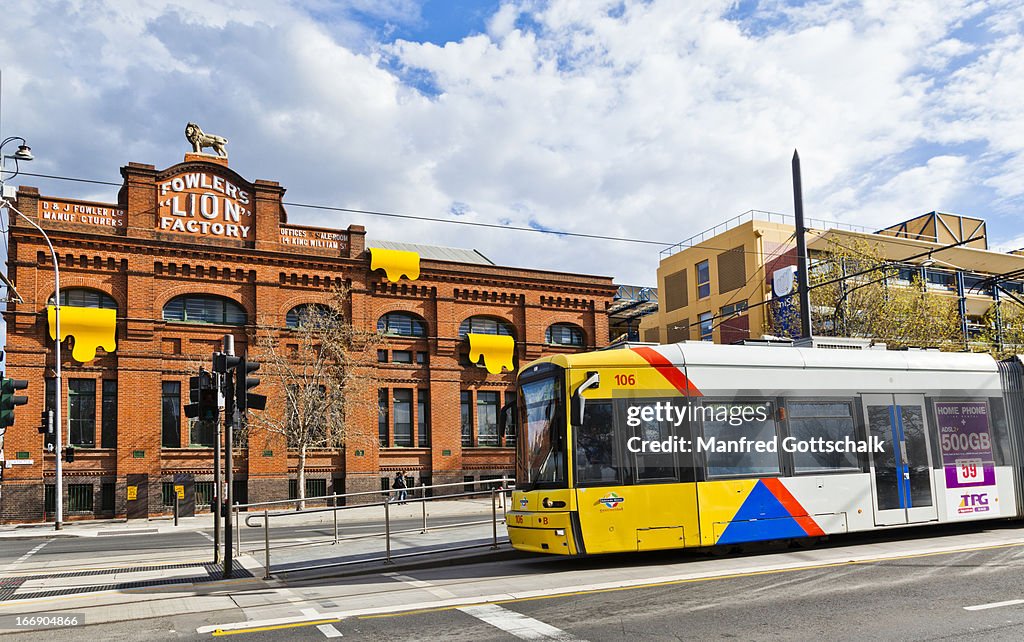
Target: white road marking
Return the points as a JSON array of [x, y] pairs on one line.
[[25, 556], [517, 624], [993, 605], [206, 535], [759, 568], [327, 629], [436, 591]]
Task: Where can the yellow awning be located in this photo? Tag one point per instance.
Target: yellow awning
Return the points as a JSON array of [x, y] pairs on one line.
[[496, 350], [91, 328], [395, 263]]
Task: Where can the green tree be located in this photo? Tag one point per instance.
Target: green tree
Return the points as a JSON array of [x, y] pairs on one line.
[[856, 292], [1003, 331]]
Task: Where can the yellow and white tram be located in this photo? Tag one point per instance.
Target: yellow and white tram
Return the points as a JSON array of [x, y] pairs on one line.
[[695, 445]]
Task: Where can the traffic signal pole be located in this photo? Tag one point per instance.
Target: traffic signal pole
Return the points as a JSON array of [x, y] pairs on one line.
[[203, 392], [216, 481], [231, 372], [229, 438]]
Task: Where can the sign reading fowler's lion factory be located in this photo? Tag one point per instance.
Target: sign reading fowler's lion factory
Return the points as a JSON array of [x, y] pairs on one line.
[[200, 201], [204, 204]]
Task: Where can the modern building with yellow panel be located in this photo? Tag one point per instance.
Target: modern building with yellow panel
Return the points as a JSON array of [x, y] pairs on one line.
[[712, 286], [718, 272]]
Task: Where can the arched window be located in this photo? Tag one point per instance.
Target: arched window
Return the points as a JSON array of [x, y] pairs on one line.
[[402, 324], [83, 298], [204, 308], [485, 325], [564, 334], [298, 315]]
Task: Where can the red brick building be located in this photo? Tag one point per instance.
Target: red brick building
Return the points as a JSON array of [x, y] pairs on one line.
[[196, 251]]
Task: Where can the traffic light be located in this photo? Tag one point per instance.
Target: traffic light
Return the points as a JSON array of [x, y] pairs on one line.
[[69, 454], [46, 423], [194, 386], [46, 429], [223, 362], [245, 400], [8, 400], [202, 393]]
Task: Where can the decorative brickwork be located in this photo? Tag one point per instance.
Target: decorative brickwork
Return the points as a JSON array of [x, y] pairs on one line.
[[198, 228]]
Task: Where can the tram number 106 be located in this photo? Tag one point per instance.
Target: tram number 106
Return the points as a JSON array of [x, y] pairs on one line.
[[625, 380], [542, 520]]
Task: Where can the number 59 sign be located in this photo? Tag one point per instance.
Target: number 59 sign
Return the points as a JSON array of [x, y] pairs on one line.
[[970, 471]]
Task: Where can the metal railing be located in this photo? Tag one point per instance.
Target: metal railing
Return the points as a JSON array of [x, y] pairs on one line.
[[497, 489], [759, 215]]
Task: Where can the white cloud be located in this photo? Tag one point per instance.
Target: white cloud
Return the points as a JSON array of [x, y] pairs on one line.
[[652, 120]]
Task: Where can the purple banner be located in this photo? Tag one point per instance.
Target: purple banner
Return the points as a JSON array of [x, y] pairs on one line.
[[966, 443]]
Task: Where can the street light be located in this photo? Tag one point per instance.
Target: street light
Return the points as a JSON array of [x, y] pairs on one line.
[[24, 153]]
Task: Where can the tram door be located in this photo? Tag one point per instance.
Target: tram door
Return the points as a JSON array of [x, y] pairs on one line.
[[901, 478]]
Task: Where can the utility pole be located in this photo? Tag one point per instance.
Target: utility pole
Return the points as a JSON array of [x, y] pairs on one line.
[[802, 259]]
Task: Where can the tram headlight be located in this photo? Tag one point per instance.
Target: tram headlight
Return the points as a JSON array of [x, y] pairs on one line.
[[560, 532]]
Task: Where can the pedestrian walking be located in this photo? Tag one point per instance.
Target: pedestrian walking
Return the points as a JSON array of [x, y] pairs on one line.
[[400, 486]]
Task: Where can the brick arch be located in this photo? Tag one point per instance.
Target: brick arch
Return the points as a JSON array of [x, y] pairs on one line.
[[394, 307], [498, 317], [574, 323], [289, 303], [164, 297], [299, 299], [78, 282]]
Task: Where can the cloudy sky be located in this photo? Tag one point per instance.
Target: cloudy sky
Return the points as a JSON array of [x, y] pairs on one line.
[[642, 119]]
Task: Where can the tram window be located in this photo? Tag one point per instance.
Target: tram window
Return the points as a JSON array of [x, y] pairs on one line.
[[595, 459], [831, 422], [737, 438], [545, 436], [652, 466], [1000, 432]]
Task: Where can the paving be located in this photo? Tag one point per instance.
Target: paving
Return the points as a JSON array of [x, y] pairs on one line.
[[534, 577], [302, 544], [443, 568], [282, 515]]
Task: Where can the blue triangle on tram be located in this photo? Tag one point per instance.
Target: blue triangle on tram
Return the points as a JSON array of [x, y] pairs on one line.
[[762, 516]]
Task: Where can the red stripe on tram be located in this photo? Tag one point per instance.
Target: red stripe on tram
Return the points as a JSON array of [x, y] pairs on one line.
[[792, 506], [672, 373]]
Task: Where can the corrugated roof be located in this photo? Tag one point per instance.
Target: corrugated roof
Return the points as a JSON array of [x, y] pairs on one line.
[[435, 252]]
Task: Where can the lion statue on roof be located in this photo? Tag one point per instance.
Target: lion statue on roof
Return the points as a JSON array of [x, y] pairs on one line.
[[199, 139]]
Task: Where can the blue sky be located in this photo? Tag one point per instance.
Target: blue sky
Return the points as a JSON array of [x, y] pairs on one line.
[[649, 119], [441, 21]]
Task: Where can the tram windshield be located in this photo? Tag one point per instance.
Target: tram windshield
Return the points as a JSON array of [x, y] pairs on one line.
[[541, 460]]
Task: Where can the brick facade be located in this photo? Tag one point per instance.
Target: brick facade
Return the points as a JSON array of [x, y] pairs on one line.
[[139, 253]]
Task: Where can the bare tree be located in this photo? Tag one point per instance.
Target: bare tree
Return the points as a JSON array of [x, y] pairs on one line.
[[320, 370]]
